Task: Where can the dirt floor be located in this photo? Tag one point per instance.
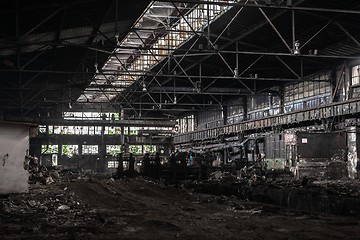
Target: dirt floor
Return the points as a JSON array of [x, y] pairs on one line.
[[141, 208]]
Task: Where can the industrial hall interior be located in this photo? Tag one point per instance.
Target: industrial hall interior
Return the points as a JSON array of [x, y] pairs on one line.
[[180, 119]]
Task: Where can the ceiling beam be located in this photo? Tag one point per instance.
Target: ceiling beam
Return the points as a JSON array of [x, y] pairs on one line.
[[268, 6]]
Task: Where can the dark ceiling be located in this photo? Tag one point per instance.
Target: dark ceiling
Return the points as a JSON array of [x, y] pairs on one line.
[[48, 50]]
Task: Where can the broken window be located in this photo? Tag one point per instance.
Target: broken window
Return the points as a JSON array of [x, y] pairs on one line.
[[48, 149], [149, 148], [70, 150], [113, 150], [113, 164], [90, 149], [136, 149]]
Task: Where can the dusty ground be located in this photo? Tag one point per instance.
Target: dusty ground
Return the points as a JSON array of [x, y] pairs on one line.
[[143, 209]]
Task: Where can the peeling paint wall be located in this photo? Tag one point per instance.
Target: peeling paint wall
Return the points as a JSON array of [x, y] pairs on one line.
[[14, 144]]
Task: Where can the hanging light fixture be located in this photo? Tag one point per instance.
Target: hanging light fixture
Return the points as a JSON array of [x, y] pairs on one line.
[[144, 87], [296, 47], [117, 39]]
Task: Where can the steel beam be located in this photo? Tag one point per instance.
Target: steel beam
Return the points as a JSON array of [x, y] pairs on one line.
[[211, 53], [240, 4], [288, 67], [347, 33], [42, 22], [135, 123], [273, 27], [317, 33]]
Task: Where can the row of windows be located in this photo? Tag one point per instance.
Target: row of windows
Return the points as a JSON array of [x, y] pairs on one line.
[[309, 103], [113, 150], [260, 102], [303, 90], [298, 96], [96, 130], [271, 110]]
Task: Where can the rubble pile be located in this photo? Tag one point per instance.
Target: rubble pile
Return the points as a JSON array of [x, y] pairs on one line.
[[39, 173], [85, 206], [343, 188], [67, 175], [246, 175], [43, 175], [222, 176], [43, 209]]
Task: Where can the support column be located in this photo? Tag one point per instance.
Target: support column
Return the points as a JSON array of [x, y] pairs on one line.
[[282, 99], [353, 142], [347, 81], [225, 112], [102, 149], [245, 108]]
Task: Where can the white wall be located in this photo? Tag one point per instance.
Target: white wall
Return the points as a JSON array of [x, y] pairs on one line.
[[14, 142]]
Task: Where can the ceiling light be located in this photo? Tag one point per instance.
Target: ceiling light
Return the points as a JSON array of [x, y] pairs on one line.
[[296, 47], [117, 39], [96, 68], [144, 87]]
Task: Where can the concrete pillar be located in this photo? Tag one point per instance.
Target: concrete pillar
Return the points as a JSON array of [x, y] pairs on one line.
[[353, 140]]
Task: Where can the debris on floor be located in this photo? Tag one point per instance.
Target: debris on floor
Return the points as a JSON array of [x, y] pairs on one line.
[[101, 207]]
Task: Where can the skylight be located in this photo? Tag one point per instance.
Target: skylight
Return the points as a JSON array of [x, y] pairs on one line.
[[162, 28]]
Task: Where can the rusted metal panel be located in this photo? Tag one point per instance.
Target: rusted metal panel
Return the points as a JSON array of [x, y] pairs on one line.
[[322, 155]]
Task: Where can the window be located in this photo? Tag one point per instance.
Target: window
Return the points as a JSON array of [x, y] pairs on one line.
[[90, 149], [48, 149], [136, 149], [186, 124], [70, 150], [149, 149], [113, 150], [113, 164], [112, 130], [133, 130], [355, 75], [42, 129]]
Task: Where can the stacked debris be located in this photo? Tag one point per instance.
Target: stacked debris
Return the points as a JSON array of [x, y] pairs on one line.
[[222, 176], [39, 173], [71, 175]]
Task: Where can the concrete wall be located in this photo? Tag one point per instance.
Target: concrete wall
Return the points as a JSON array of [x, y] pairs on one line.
[[14, 144]]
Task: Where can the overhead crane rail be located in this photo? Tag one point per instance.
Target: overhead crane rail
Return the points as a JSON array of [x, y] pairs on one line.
[[340, 109]]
